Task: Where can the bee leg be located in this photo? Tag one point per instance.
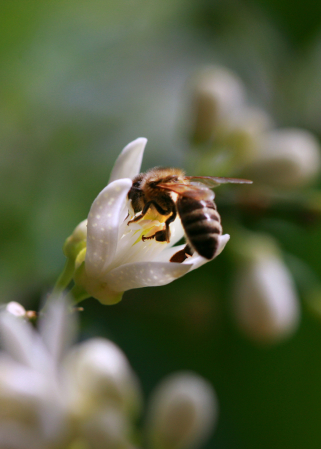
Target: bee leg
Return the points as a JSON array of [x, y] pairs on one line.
[[188, 250], [182, 255], [165, 234], [145, 209], [141, 215], [159, 236], [167, 223]]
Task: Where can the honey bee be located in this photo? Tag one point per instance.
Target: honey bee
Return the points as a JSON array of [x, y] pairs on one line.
[[169, 192]]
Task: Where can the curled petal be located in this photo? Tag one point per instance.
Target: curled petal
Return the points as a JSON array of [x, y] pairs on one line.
[[144, 274], [103, 226], [197, 261], [129, 161], [222, 241], [167, 253]]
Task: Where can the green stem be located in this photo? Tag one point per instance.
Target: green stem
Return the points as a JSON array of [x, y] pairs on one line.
[[65, 277], [78, 294]]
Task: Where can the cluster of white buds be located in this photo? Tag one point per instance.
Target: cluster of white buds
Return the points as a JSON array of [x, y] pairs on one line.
[[265, 299], [243, 136], [107, 257], [53, 395]]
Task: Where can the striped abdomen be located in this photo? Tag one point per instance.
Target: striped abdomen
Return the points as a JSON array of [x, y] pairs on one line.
[[202, 225]]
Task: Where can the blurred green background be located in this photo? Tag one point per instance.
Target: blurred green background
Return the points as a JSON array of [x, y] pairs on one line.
[[78, 81]]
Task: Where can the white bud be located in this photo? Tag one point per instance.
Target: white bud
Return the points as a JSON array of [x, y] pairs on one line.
[[22, 391], [15, 309], [99, 375], [217, 92], [265, 300], [106, 429], [243, 131], [28, 402], [287, 158], [182, 412]]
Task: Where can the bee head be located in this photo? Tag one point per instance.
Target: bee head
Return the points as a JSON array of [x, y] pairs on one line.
[[135, 193]]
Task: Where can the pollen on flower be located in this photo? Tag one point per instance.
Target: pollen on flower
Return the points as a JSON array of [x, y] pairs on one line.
[[98, 216]]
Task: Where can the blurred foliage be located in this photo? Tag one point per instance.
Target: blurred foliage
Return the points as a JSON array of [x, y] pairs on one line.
[[79, 80]]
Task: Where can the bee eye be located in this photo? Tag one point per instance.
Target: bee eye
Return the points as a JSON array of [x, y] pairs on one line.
[[136, 184]]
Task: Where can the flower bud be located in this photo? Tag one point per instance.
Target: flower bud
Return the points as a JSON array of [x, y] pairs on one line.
[[15, 309], [99, 375], [182, 412], [266, 304], [217, 92], [287, 158], [76, 241], [243, 132], [107, 429], [22, 392]]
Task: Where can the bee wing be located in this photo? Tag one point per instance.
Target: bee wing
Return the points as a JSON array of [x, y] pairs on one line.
[[196, 191], [214, 181]]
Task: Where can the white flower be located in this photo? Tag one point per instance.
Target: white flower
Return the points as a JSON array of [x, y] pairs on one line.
[[182, 412], [116, 258], [266, 304], [45, 402]]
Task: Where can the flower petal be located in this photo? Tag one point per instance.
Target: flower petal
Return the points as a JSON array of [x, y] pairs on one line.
[[168, 252], [222, 241], [19, 339], [144, 274], [177, 231], [103, 226], [198, 260], [129, 161], [57, 327]]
